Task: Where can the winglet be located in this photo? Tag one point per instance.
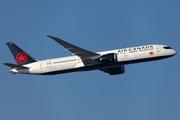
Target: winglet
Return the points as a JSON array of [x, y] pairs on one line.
[[54, 38], [49, 36]]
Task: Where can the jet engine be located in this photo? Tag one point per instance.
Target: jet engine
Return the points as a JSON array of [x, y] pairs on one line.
[[108, 58], [116, 70]]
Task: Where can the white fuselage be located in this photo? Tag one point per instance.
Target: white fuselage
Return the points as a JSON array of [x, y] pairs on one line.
[[74, 63]]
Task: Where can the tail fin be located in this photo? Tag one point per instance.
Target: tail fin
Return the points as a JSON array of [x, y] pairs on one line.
[[20, 56]]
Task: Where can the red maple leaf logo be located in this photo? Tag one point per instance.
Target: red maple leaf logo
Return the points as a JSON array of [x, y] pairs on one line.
[[151, 53], [21, 57]]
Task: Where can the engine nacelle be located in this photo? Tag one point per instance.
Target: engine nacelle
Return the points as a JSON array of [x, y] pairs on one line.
[[108, 58], [117, 70]]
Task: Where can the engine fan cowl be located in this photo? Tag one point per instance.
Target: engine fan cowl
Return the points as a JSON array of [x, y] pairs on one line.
[[108, 58], [117, 71]]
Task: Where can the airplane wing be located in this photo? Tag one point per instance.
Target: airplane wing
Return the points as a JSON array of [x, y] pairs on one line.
[[85, 55], [15, 66]]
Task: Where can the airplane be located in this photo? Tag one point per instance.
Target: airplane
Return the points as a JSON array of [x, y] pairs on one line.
[[111, 62]]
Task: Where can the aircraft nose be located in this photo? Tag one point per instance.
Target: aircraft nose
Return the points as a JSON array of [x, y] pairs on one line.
[[171, 52], [174, 52]]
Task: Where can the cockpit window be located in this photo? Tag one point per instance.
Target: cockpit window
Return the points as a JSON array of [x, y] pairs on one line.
[[167, 47]]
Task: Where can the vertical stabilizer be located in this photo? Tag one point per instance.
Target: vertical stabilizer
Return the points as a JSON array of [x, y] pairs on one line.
[[20, 55]]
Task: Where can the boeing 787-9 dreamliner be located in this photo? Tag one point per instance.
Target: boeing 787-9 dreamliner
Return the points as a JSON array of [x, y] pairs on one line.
[[111, 62]]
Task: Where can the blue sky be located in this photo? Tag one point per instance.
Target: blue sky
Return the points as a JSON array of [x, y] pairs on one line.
[[146, 91]]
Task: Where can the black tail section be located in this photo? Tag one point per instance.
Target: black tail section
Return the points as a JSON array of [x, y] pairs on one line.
[[20, 56]]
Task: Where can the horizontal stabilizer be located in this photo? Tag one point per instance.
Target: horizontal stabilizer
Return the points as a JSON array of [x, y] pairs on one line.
[[15, 66]]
